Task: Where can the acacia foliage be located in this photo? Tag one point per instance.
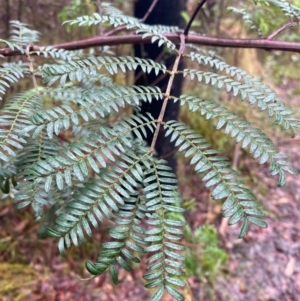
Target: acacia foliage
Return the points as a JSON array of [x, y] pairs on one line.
[[68, 144]]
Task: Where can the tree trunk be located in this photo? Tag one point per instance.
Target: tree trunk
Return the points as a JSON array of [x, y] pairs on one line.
[[165, 12], [7, 17]]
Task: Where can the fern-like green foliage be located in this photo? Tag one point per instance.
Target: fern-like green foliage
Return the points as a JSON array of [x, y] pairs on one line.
[[290, 10], [277, 8], [22, 35], [247, 18], [156, 31], [74, 145], [9, 74]]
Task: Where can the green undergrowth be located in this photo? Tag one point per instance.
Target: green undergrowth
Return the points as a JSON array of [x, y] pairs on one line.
[[205, 258], [16, 281]]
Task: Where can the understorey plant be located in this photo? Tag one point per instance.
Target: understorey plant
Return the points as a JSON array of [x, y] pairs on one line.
[[73, 145]]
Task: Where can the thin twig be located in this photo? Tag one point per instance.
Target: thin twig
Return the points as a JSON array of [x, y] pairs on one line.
[[221, 14], [173, 37], [31, 68], [169, 154], [99, 7], [168, 92], [200, 4], [150, 9], [157, 59], [123, 27], [115, 30], [281, 29], [236, 156], [158, 79]]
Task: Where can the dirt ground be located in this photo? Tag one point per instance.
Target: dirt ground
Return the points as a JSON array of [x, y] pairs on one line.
[[266, 265]]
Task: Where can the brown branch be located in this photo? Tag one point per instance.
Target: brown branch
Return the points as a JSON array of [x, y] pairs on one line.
[[196, 11], [31, 68], [99, 7], [150, 9], [173, 37], [115, 30], [123, 27], [281, 29], [168, 92], [158, 79]]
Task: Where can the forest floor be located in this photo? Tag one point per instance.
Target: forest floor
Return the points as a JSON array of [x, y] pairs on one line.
[[265, 266]]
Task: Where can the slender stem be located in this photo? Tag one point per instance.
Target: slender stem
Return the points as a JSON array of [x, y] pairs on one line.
[[31, 68], [150, 9], [221, 14], [115, 30], [158, 79], [168, 92], [199, 6], [157, 59], [123, 27], [171, 153], [173, 37], [281, 29], [99, 7]]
